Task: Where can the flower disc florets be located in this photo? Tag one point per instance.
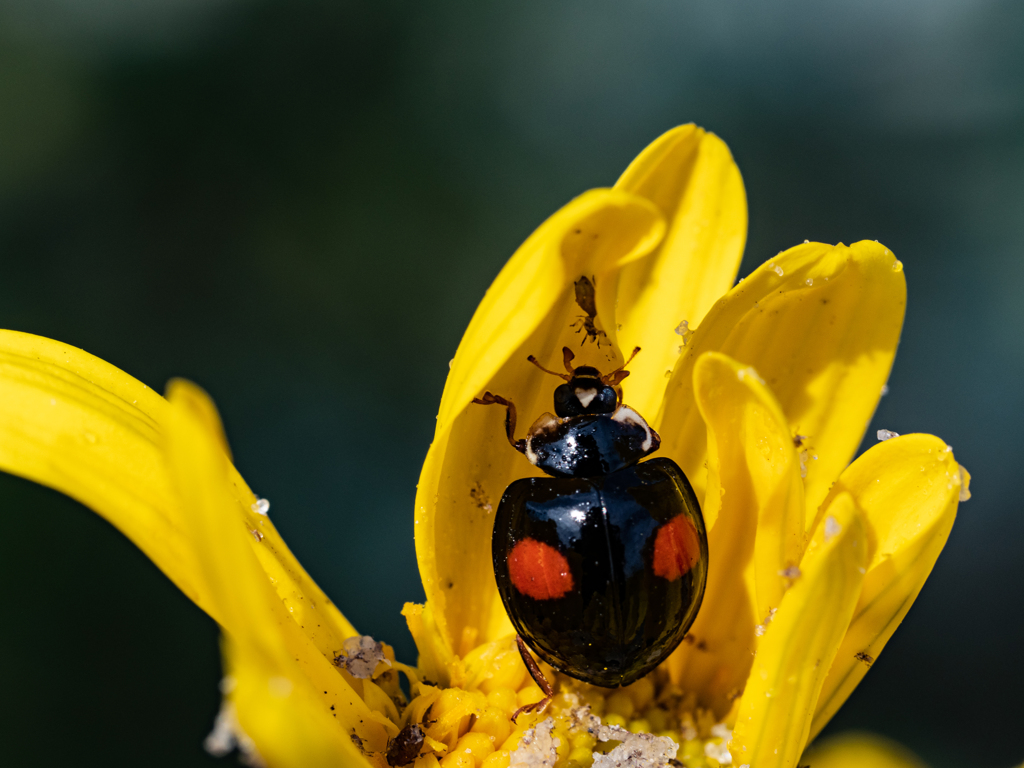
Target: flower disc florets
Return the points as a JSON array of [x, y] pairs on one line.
[[649, 723]]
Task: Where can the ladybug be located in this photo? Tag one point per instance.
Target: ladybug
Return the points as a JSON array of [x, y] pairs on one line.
[[601, 566]]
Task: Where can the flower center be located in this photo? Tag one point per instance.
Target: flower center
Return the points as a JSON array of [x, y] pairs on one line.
[[649, 723]]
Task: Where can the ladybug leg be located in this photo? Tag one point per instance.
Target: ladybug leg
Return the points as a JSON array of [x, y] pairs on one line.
[[538, 677], [510, 418]]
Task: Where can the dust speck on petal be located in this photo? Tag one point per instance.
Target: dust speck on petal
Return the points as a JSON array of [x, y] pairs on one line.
[[261, 507], [832, 528], [761, 628], [886, 434], [360, 656], [227, 734], [683, 330], [281, 687], [537, 747]]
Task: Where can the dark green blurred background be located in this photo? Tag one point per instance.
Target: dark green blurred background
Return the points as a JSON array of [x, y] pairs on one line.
[[298, 205]]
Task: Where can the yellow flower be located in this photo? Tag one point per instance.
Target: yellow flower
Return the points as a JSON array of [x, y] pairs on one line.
[[762, 396]]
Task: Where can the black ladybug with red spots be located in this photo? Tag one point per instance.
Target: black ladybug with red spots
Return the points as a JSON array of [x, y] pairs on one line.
[[601, 566]]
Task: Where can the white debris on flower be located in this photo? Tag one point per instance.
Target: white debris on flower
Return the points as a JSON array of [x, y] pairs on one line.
[[885, 390], [227, 734], [721, 731], [832, 528], [965, 483], [887, 434], [360, 656], [743, 373], [763, 626], [719, 752], [636, 750], [683, 329], [261, 507], [537, 747]]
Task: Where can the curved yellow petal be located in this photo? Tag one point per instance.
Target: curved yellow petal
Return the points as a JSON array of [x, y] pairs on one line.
[[774, 716], [77, 424], [692, 178], [598, 231], [528, 310], [860, 750], [754, 514], [908, 490], [820, 324], [273, 695]]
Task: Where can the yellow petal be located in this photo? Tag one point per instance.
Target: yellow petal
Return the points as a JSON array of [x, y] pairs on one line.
[[908, 490], [600, 230], [77, 424], [775, 713], [529, 309], [820, 324], [754, 514], [277, 709], [276, 673], [860, 750], [691, 176]]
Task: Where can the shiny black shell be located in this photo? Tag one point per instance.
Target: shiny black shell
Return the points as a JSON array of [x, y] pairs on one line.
[[591, 445], [620, 619]]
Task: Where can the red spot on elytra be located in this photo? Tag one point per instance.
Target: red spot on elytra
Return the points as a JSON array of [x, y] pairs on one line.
[[538, 570], [676, 548]]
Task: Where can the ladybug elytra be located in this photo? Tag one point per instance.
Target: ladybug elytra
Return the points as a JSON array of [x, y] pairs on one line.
[[601, 566]]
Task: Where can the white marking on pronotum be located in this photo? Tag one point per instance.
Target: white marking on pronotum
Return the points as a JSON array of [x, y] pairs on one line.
[[585, 396], [544, 423], [626, 415]]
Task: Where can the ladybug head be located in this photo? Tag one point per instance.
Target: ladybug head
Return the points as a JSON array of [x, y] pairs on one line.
[[585, 390]]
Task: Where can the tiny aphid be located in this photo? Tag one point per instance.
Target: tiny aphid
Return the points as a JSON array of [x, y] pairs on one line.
[[586, 300]]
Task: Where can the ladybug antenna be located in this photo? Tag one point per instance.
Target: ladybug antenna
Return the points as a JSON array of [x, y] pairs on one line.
[[567, 357], [614, 377]]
